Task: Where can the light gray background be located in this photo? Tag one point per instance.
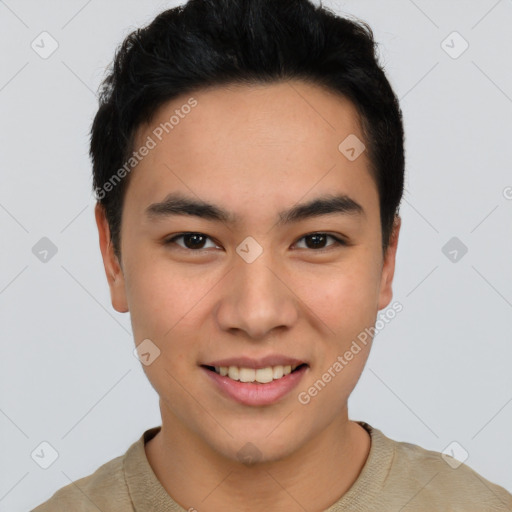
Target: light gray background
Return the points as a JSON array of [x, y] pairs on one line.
[[439, 372]]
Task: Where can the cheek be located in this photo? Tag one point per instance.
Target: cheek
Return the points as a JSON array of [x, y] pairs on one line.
[[166, 301], [345, 298], [152, 299], [162, 306]]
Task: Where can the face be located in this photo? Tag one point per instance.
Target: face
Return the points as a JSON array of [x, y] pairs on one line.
[[267, 280]]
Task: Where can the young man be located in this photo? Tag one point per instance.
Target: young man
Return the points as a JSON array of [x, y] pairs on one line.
[[249, 164]]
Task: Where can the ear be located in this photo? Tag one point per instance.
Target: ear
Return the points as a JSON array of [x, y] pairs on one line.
[[113, 270], [388, 267]]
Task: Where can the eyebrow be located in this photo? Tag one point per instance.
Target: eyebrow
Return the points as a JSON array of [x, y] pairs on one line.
[[177, 204]]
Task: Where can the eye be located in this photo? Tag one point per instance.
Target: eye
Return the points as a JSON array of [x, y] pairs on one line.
[[318, 241], [196, 241], [192, 241]]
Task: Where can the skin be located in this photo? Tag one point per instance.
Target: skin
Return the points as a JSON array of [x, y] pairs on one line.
[[254, 150]]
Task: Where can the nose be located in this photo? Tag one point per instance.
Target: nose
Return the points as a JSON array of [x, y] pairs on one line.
[[256, 299]]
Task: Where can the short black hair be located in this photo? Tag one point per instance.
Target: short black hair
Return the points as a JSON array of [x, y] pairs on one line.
[[223, 42]]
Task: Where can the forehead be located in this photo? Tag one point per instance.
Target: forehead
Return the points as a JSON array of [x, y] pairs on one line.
[[249, 142], [307, 112]]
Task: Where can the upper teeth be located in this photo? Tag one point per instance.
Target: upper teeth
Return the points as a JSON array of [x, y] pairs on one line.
[[262, 375]]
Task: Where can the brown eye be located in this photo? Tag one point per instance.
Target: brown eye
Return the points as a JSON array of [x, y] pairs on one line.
[[317, 241], [191, 241]]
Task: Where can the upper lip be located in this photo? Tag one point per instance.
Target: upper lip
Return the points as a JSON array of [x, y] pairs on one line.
[[263, 362]]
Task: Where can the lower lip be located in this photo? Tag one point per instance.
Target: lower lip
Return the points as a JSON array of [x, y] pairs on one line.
[[255, 393]]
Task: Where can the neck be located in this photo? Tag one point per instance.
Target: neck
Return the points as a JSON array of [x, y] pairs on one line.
[[197, 477]]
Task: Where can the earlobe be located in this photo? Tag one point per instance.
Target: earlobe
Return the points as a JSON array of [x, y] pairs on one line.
[[113, 270], [388, 268]]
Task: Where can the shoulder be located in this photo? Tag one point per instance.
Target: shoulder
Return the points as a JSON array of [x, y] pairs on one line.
[[435, 479], [104, 490]]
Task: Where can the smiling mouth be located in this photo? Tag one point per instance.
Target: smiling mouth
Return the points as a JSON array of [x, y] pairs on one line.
[[252, 375]]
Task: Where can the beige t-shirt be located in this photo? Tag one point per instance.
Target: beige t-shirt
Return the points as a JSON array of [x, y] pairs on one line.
[[396, 476]]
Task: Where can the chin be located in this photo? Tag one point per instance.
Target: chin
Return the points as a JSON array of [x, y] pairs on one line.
[[257, 446]]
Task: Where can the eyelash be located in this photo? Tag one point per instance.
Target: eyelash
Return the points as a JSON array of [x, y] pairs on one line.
[[338, 241]]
